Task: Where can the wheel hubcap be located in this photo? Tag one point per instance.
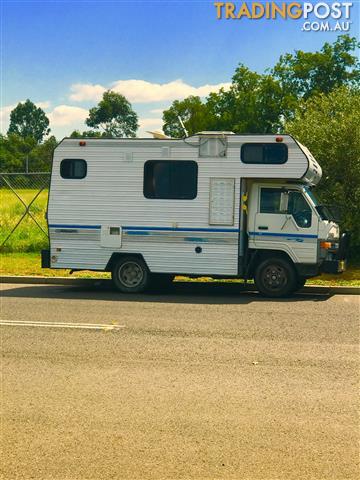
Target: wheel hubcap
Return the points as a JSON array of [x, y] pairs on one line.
[[274, 277], [131, 274]]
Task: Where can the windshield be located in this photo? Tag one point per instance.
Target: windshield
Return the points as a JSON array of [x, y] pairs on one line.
[[313, 198], [326, 212]]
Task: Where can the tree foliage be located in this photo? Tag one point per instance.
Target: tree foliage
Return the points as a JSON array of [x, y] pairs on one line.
[[193, 112], [114, 115], [304, 74], [254, 103], [329, 126], [16, 152], [87, 134], [28, 120], [260, 103]]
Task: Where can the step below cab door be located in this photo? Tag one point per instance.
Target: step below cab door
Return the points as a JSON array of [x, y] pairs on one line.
[[282, 219]]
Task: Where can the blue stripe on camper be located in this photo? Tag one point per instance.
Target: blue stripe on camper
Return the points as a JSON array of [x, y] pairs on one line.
[[292, 235], [138, 230], [132, 230], [93, 227], [174, 229]]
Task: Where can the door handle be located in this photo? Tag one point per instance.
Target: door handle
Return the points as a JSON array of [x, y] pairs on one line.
[[263, 227]]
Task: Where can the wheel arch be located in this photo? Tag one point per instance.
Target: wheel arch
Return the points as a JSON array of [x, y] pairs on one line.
[[259, 255], [116, 256]]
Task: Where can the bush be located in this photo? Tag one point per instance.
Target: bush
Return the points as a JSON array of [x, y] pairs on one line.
[[329, 126]]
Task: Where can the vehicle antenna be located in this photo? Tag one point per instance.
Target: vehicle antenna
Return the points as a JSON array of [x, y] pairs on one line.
[[183, 126]]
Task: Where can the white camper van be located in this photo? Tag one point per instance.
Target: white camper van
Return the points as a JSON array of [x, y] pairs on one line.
[[214, 204]]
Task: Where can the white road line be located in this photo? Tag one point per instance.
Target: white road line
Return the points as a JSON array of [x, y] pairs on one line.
[[84, 326]]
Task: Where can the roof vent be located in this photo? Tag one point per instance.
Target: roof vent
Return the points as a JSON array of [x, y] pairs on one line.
[[212, 146], [215, 133]]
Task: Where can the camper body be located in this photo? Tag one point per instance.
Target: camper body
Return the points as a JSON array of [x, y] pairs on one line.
[[214, 204]]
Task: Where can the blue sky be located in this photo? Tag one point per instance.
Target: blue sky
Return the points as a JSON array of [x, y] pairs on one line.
[[63, 54]]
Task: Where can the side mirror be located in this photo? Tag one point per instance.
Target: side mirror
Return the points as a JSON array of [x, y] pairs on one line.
[[284, 202]]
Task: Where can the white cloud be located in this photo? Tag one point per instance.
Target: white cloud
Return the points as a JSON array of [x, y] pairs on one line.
[[158, 110], [5, 116], [43, 105], [82, 92], [149, 124], [64, 115], [141, 91]]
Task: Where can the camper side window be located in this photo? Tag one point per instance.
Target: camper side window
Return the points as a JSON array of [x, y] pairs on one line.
[[264, 153], [73, 168], [173, 180]]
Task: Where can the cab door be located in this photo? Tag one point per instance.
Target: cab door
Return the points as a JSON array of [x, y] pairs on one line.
[[285, 221]]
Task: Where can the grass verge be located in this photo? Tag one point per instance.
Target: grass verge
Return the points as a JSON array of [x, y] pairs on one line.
[[30, 264], [27, 237]]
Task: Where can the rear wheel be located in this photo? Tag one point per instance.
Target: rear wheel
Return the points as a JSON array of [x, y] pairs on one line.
[[275, 277], [130, 275]]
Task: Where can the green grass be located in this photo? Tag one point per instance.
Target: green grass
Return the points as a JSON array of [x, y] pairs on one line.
[[27, 237], [30, 264]]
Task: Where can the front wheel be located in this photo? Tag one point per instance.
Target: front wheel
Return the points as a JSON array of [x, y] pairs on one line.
[[275, 277], [130, 275]]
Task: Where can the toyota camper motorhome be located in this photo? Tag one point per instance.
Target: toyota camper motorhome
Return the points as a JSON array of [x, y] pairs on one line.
[[213, 204]]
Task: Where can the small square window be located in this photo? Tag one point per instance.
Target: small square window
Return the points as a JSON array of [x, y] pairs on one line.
[[114, 230], [73, 168]]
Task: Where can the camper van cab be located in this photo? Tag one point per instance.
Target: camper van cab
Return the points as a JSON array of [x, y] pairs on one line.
[[214, 204]]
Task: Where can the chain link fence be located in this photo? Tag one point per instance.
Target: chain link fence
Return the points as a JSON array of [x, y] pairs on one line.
[[23, 205]]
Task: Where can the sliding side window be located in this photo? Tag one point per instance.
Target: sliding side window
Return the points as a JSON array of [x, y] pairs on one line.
[[170, 179]]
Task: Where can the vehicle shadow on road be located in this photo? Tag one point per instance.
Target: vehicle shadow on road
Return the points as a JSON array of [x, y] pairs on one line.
[[178, 292]]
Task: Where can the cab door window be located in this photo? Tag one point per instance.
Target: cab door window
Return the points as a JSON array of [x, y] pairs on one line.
[[270, 200], [299, 209]]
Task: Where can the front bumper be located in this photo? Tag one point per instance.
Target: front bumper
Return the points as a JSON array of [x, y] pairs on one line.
[[335, 261], [333, 266]]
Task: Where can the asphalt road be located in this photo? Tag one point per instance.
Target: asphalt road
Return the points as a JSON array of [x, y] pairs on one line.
[[201, 383]]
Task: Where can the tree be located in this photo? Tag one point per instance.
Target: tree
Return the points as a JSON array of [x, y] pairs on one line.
[[309, 73], [260, 103], [40, 157], [28, 120], [192, 111], [254, 103], [18, 152], [114, 115], [15, 152], [329, 126], [87, 134]]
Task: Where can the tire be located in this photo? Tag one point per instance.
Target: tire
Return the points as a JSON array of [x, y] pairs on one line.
[[275, 277], [130, 275]]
